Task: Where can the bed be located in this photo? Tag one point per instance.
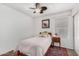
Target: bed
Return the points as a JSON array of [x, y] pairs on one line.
[[35, 46]]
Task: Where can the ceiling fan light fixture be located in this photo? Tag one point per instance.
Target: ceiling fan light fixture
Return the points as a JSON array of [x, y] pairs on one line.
[[37, 10]]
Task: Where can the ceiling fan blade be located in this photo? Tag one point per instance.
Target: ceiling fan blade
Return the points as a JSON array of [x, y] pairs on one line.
[[44, 8], [37, 5], [41, 11]]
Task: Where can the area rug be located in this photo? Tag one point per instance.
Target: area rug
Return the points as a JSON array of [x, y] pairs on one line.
[[52, 51], [56, 51]]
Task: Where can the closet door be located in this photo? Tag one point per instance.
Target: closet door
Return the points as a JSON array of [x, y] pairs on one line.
[[76, 30], [62, 28]]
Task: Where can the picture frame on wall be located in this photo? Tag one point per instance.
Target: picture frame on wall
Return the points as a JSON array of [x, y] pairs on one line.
[[46, 23]]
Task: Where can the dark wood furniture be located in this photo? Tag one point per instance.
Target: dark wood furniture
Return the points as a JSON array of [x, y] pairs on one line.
[[18, 53], [56, 40]]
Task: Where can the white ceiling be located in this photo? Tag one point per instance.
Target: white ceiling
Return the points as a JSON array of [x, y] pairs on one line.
[[52, 7]]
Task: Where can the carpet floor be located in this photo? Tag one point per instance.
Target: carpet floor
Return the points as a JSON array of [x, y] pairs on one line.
[[52, 51]]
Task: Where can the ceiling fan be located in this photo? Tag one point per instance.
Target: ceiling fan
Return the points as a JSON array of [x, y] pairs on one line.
[[39, 8]]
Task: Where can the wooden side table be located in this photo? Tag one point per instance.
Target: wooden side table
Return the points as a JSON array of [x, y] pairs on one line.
[[56, 40]]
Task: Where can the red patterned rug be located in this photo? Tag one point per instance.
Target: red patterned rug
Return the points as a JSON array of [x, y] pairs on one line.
[[56, 51], [52, 51]]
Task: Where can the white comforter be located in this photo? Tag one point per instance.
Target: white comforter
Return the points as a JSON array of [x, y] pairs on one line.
[[35, 46]]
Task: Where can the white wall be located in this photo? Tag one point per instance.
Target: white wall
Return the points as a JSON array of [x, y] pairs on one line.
[[76, 40], [65, 42], [14, 26], [38, 25], [52, 17], [75, 9]]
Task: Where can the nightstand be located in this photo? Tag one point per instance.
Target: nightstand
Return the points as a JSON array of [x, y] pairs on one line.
[[56, 40]]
